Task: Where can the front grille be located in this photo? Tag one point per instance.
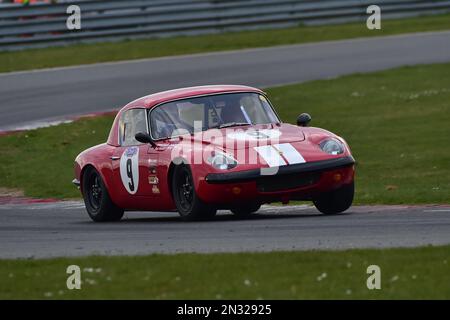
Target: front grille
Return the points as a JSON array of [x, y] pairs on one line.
[[285, 182]]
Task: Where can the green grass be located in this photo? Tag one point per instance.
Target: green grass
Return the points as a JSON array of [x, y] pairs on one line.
[[419, 273], [396, 122], [40, 162], [135, 49]]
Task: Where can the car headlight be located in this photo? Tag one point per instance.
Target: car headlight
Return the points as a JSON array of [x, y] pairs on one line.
[[222, 161], [332, 146]]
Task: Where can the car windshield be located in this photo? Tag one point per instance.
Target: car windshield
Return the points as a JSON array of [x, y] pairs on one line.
[[215, 111]]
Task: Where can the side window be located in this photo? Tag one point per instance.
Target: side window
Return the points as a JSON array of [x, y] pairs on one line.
[[131, 122]]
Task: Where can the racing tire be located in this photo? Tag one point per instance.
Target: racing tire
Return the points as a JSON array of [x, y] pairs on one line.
[[97, 200], [189, 205], [335, 201], [246, 210]]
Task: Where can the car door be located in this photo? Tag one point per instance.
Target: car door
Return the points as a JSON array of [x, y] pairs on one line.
[[130, 162]]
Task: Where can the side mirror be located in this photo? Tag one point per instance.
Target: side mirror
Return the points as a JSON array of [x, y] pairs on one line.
[[303, 120], [144, 137]]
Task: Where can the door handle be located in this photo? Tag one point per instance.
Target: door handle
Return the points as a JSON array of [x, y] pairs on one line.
[[115, 158]]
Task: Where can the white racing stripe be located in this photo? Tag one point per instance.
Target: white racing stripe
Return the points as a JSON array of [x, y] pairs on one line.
[[290, 153], [271, 156]]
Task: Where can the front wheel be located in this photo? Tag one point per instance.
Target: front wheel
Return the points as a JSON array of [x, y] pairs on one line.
[[189, 205], [96, 198], [335, 201]]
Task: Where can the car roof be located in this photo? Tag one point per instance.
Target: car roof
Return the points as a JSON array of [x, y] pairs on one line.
[[170, 95]]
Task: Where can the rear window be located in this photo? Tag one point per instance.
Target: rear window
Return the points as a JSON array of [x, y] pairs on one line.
[[131, 122]]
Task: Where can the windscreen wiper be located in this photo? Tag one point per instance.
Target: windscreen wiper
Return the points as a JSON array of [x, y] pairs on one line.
[[234, 124]]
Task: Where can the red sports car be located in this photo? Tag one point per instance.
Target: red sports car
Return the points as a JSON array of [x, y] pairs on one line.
[[200, 149]]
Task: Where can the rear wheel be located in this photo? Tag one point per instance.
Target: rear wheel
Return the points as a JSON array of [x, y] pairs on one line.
[[96, 198], [246, 210], [336, 201], [189, 205]]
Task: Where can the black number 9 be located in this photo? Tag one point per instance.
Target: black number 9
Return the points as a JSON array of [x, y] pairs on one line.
[[130, 175]]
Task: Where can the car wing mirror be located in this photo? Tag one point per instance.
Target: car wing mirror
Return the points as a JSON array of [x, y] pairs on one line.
[[303, 120], [144, 137]]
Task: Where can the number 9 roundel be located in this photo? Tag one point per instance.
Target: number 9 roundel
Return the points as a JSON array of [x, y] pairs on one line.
[[129, 169]]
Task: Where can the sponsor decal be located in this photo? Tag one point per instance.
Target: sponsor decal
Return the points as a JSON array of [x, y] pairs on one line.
[[129, 169], [155, 189], [131, 151], [153, 180]]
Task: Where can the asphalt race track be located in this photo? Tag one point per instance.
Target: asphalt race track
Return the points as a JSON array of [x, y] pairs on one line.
[[28, 98], [64, 229]]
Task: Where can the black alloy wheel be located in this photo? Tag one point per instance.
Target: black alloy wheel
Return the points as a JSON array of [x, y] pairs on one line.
[[96, 198], [189, 205]]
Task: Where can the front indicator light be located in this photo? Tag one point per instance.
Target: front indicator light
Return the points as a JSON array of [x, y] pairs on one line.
[[236, 190]]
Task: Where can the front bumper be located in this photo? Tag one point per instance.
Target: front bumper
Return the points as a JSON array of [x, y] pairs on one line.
[[293, 182], [253, 175]]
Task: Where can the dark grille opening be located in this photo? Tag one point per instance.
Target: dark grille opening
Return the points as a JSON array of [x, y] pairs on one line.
[[285, 182]]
